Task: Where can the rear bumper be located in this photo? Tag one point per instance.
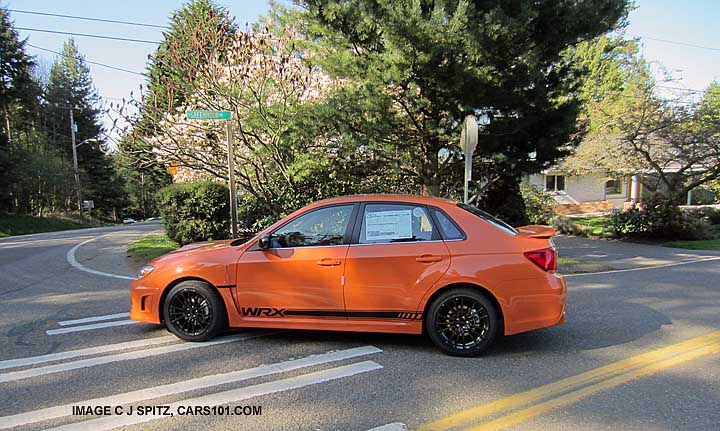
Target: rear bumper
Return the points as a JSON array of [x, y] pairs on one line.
[[144, 301], [539, 306]]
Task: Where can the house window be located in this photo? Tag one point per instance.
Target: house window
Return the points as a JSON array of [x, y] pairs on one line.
[[614, 186], [555, 183]]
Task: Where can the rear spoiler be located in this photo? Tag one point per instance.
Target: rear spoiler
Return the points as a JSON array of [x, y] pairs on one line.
[[536, 231]]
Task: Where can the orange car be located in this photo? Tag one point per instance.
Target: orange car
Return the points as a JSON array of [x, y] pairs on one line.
[[375, 263]]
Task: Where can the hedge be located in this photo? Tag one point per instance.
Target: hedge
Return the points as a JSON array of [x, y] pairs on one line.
[[195, 212]]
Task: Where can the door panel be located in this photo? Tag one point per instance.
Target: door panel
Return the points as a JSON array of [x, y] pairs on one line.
[[392, 277], [300, 276], [290, 279], [398, 256]]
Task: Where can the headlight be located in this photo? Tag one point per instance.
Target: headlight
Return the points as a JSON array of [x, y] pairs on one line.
[[145, 270]]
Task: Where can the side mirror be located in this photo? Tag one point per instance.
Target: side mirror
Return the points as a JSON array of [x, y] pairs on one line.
[[264, 242]]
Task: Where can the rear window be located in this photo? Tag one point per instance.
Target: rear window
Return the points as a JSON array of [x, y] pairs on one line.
[[488, 218]]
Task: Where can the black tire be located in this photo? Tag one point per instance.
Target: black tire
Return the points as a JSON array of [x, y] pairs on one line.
[[462, 322], [194, 311]]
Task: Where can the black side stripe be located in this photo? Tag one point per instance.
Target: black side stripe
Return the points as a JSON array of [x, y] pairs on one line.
[[357, 314]]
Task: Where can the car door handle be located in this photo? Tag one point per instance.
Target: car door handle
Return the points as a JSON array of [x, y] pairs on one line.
[[428, 258], [328, 262]]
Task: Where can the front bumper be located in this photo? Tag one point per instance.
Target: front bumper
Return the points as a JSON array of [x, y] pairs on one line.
[[144, 302]]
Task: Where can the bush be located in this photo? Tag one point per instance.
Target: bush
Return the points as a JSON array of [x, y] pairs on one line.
[[659, 218], [195, 211], [538, 204], [631, 222], [710, 214], [567, 226]]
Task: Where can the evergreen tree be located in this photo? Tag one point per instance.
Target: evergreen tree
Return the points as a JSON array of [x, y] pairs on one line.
[[70, 87], [18, 105], [199, 31], [421, 66]]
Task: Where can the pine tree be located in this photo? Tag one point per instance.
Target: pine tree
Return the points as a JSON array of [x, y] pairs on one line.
[[18, 103], [70, 87], [198, 31], [422, 66]]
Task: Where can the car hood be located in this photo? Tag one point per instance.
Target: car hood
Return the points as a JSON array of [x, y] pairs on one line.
[[197, 247]]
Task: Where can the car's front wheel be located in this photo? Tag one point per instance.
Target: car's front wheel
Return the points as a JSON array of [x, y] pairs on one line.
[[462, 322], [194, 311]]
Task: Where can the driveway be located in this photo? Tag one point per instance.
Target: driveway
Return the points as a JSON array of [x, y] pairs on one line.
[[640, 351]]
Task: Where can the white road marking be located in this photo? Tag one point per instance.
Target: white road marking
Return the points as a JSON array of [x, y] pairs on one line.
[[186, 386], [231, 396], [84, 363], [395, 426], [90, 327], [72, 261], [93, 319], [645, 268], [32, 360]]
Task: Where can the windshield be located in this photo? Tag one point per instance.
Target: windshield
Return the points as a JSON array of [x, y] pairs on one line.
[[488, 218]]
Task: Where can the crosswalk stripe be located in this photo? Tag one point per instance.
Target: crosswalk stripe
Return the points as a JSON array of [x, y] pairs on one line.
[[84, 363], [90, 327], [32, 360], [231, 396], [93, 319], [186, 386]]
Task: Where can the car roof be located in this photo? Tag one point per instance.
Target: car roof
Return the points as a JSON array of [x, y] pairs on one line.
[[423, 200]]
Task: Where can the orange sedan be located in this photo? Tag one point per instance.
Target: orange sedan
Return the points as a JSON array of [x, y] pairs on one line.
[[375, 263]]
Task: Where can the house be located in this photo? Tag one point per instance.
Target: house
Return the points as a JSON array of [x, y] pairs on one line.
[[588, 193]]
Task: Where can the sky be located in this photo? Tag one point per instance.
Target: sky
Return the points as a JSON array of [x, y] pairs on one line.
[[693, 22]]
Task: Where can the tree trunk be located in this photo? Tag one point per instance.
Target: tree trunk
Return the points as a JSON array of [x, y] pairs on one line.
[[429, 178]]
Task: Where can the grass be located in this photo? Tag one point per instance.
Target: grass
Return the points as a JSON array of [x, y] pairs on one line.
[[703, 244], [699, 244], [151, 247], [21, 224], [593, 225], [568, 261]]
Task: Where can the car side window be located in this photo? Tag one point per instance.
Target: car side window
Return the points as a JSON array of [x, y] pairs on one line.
[[324, 226], [449, 229], [383, 223]]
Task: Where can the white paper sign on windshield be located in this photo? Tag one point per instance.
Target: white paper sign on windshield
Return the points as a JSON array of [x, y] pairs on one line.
[[388, 225]]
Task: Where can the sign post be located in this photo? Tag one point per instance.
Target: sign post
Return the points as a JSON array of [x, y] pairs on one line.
[[204, 115], [468, 143]]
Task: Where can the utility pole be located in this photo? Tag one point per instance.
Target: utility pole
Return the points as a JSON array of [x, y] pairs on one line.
[[75, 163]]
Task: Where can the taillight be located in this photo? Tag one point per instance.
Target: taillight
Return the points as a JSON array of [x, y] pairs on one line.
[[545, 258]]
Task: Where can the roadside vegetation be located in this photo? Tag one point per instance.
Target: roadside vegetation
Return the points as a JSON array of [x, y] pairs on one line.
[[22, 224], [151, 247]]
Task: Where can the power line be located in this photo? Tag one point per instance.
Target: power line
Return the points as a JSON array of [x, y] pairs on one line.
[[673, 42], [90, 62], [88, 35], [140, 24]]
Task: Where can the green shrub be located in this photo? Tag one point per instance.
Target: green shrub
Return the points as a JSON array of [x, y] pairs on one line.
[[567, 226], [631, 222], [711, 215], [195, 211], [659, 218], [538, 204]]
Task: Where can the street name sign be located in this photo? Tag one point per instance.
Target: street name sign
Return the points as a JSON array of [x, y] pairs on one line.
[[200, 114]]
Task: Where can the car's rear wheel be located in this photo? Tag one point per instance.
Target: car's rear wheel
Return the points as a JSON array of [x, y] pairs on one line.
[[462, 322], [194, 311]]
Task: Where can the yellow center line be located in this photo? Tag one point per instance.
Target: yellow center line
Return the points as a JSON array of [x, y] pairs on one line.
[[575, 396], [552, 389]]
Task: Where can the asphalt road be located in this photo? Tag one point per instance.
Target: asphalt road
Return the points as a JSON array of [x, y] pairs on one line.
[[609, 367]]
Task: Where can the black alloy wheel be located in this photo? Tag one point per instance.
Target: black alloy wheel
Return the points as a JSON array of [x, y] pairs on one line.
[[462, 322], [194, 311]]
